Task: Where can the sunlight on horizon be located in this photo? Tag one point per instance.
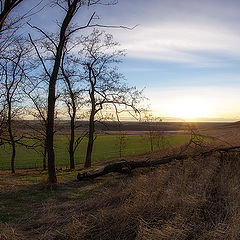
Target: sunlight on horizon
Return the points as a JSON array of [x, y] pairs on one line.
[[195, 104], [188, 108]]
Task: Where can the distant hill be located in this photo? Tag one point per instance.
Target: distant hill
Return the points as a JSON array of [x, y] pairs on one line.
[[63, 126]]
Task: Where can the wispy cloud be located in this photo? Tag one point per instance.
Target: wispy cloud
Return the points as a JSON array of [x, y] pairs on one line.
[[205, 33], [187, 31], [182, 42]]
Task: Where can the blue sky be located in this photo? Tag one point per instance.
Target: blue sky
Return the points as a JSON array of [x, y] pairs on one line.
[[185, 53]]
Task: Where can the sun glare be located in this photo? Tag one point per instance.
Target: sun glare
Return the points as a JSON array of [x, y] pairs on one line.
[[190, 108]]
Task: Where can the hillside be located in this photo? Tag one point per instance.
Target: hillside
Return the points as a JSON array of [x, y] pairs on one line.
[[191, 199]]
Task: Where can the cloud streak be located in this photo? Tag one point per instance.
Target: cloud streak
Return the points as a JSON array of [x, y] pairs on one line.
[[187, 31], [182, 42]]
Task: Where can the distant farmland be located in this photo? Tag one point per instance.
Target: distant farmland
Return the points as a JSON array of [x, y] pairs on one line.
[[105, 147]]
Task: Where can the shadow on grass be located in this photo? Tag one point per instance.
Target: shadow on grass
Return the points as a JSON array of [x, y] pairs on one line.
[[33, 192]]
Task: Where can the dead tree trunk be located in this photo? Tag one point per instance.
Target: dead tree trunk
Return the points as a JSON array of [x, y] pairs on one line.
[[124, 166]]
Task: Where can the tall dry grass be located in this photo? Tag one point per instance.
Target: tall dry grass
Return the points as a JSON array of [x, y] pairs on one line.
[[196, 199]]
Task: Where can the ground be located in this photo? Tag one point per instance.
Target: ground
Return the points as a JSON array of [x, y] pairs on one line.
[[192, 199]]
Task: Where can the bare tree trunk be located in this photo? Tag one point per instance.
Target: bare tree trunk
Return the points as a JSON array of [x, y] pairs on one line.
[[45, 155], [88, 161], [72, 115], [10, 132], [13, 155], [71, 143], [51, 93], [50, 129]]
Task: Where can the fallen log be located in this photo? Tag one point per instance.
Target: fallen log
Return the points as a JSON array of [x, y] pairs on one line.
[[124, 166]]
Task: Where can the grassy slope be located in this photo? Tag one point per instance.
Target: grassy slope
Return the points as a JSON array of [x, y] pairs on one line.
[[196, 199], [105, 147]]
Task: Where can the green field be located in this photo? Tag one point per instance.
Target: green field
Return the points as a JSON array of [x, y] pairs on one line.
[[105, 147]]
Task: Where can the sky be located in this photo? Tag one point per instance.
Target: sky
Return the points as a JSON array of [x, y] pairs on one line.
[[184, 53]]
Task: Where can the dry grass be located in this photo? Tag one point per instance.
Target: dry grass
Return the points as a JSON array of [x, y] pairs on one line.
[[194, 199]]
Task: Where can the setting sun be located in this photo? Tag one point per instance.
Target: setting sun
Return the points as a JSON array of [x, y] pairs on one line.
[[189, 108]]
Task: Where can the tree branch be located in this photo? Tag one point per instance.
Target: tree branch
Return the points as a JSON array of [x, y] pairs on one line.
[[39, 56]]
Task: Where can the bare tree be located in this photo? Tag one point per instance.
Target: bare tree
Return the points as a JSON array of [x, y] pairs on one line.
[[155, 134], [12, 77], [122, 139], [55, 45], [12, 52], [105, 86], [73, 98], [56, 49], [12, 23], [6, 38], [38, 109]]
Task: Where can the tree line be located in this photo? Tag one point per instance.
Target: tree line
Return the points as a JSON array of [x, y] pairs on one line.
[[71, 70]]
